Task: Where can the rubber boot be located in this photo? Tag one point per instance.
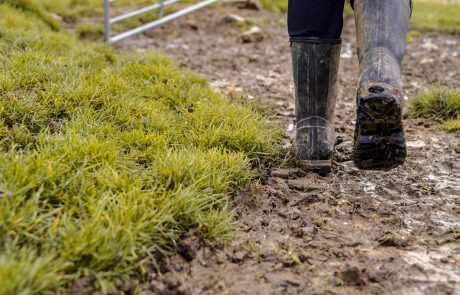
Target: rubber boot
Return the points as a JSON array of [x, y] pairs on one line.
[[315, 66], [381, 28]]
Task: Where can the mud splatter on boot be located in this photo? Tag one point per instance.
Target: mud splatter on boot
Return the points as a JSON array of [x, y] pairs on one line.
[[315, 66], [379, 134], [381, 28]]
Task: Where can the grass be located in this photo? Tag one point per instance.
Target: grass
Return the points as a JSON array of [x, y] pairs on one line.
[[432, 15], [439, 103], [275, 5], [90, 31], [108, 157], [452, 125]]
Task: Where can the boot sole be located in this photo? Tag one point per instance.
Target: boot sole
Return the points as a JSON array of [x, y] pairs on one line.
[[317, 166], [379, 135]]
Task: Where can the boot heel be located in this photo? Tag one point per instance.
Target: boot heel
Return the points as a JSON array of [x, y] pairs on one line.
[[317, 166], [379, 133]]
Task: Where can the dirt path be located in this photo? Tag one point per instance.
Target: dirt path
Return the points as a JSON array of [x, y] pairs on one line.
[[351, 232]]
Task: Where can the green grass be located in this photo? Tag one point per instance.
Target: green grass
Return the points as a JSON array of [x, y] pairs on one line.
[[438, 103], [90, 31], [452, 125], [108, 157], [275, 5], [430, 15]]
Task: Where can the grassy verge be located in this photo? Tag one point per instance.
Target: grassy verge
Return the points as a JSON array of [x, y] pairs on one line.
[[434, 15], [108, 157], [438, 103]]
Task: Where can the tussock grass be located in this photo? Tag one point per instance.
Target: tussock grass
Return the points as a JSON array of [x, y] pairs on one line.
[[438, 103], [108, 157]]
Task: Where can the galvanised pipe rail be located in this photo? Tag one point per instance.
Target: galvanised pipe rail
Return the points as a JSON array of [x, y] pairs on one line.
[[163, 19]]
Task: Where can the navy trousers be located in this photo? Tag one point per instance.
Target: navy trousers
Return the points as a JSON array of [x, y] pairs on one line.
[[316, 18]]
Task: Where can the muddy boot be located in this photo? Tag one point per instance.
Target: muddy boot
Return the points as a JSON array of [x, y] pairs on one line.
[[315, 65], [381, 27]]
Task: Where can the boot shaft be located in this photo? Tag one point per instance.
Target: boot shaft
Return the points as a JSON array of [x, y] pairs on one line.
[[382, 24], [315, 65]]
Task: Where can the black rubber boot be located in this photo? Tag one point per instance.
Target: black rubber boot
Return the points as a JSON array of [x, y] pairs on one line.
[[315, 66], [381, 28]]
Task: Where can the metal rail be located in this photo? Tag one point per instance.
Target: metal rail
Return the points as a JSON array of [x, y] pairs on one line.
[[161, 20]]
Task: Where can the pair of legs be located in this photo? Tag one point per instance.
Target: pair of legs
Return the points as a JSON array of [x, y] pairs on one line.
[[315, 27]]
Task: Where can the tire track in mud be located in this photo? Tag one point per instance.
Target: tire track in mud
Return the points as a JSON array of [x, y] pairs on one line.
[[347, 233]]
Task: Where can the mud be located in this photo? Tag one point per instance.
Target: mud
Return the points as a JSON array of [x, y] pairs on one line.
[[351, 232]]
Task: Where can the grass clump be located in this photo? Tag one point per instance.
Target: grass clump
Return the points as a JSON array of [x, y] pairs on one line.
[[440, 103], [452, 125], [108, 157]]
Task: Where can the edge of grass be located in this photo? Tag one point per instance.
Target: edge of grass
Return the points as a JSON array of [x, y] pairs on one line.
[[108, 157], [439, 103]]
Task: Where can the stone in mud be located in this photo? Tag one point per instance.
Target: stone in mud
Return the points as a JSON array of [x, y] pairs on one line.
[[254, 35], [281, 173], [286, 173], [234, 18]]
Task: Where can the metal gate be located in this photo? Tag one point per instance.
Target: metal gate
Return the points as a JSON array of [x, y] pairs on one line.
[[108, 21]]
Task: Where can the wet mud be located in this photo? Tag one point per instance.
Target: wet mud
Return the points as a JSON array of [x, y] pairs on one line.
[[350, 232]]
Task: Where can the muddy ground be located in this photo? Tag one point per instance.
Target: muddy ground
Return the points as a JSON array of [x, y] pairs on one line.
[[351, 232]]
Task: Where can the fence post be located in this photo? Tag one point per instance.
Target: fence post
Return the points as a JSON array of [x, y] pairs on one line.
[[162, 8], [107, 20]]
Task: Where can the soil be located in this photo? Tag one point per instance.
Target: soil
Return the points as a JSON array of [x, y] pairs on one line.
[[350, 232]]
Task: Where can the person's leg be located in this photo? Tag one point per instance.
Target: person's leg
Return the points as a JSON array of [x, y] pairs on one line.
[[315, 18], [315, 27], [381, 28]]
